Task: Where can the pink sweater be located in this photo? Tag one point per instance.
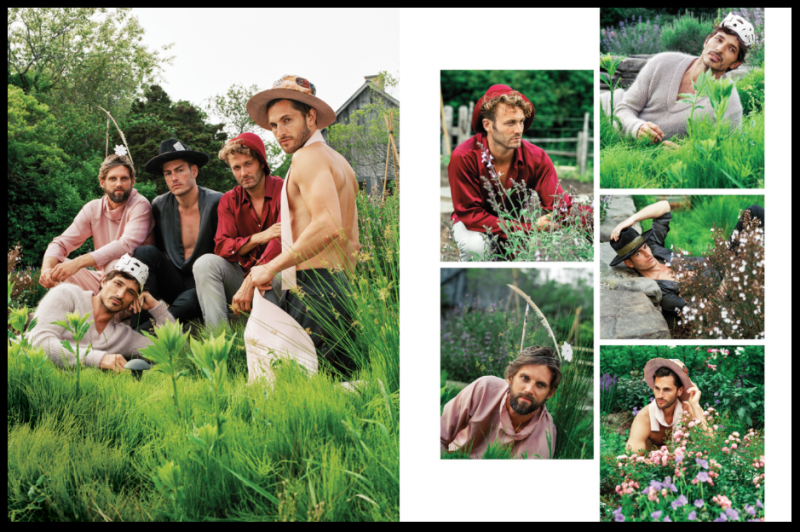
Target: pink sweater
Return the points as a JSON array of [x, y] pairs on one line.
[[115, 232], [479, 413]]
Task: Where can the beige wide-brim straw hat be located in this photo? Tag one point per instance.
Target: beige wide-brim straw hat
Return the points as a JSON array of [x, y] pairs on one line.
[[290, 88], [675, 365]]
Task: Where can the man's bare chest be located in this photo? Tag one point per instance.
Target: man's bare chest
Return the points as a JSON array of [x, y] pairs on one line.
[[190, 227]]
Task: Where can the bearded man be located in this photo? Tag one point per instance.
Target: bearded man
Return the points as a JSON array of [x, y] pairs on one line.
[[186, 222], [651, 109], [319, 232], [509, 412], [674, 393], [108, 344], [488, 165], [118, 223]]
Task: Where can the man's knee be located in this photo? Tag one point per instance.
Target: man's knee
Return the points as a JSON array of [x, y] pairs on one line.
[[146, 253], [208, 266], [471, 244]]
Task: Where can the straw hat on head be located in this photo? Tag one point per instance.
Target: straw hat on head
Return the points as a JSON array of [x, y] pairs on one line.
[[675, 365], [290, 88]]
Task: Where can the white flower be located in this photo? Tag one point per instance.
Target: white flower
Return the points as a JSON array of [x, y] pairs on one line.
[[120, 150], [566, 352]]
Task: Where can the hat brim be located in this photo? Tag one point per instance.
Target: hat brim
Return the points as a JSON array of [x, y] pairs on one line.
[[155, 164], [477, 121], [652, 366], [618, 260], [257, 106]]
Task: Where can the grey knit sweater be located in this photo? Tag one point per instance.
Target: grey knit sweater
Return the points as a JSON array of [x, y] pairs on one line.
[[653, 97], [116, 338]]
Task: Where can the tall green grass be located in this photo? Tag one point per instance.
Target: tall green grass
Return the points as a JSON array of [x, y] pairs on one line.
[[303, 449]]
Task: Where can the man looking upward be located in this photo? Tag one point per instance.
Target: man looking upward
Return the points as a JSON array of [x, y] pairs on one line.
[[319, 232], [651, 107], [510, 411], [674, 394], [118, 223]]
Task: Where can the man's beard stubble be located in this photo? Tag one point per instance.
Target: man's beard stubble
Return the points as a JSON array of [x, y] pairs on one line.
[[304, 136], [502, 140], [120, 197], [522, 409]]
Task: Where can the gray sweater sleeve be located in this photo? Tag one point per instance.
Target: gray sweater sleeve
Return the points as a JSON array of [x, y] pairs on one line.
[[635, 99]]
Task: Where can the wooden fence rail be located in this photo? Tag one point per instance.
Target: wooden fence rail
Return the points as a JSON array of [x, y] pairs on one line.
[[462, 130]]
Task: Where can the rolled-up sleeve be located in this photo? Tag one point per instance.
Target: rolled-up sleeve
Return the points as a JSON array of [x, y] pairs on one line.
[[138, 226], [227, 241]]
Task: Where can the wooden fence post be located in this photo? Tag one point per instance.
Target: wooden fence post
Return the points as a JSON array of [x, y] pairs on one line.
[[583, 144]]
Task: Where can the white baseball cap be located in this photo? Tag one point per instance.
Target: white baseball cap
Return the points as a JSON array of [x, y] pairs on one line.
[[134, 267], [742, 28]]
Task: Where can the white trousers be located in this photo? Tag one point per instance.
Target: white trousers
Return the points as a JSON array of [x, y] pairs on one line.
[[472, 245]]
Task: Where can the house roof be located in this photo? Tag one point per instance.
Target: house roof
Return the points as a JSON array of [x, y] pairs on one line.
[[362, 89]]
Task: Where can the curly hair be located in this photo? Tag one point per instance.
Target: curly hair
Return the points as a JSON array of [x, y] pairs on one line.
[[537, 355], [743, 48], [114, 160], [513, 99], [236, 147]]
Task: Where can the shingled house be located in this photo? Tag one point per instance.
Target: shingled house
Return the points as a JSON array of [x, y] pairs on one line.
[[368, 159]]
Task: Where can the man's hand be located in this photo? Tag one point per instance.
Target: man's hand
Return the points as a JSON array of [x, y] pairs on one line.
[[262, 277], [113, 362], [64, 271], [145, 301], [46, 279], [651, 131], [669, 145], [274, 231], [618, 229], [243, 298], [543, 222], [694, 397]]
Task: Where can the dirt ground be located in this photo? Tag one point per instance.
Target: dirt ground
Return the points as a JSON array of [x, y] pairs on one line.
[[572, 186]]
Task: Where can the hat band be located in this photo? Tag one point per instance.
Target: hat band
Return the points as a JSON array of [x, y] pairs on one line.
[[630, 246]]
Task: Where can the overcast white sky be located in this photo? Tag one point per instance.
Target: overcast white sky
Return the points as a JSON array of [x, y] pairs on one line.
[[215, 48]]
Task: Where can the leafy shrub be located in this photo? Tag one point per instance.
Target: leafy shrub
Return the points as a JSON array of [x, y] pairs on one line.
[[751, 92], [632, 37], [686, 34]]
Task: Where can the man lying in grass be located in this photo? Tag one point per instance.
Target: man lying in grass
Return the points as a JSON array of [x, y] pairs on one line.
[[511, 412], [484, 168], [647, 255], [669, 380], [652, 108], [108, 344]]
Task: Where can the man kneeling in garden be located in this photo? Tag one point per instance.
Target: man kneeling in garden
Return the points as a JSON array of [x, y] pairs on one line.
[[669, 380], [650, 108], [508, 412], [112, 343], [647, 255], [485, 169]]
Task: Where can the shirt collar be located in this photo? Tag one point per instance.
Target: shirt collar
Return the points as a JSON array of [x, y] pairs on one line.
[[269, 189], [508, 427]]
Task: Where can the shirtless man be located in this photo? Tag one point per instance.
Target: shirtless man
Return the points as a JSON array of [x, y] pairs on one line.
[[319, 231], [674, 394], [186, 221], [648, 256]]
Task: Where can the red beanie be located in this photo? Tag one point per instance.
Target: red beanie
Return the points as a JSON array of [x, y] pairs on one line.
[[493, 92], [254, 142]]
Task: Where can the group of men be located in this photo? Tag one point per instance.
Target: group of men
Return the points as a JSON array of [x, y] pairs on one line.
[[202, 252]]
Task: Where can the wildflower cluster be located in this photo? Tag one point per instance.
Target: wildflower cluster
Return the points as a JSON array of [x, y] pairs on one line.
[[730, 309], [27, 291], [633, 36]]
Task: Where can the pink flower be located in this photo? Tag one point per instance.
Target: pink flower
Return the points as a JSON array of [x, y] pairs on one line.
[[691, 424], [733, 446]]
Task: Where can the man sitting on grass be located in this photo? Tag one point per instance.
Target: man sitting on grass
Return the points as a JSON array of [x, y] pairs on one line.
[[112, 343], [669, 380], [651, 109], [647, 255], [500, 118], [509, 412]]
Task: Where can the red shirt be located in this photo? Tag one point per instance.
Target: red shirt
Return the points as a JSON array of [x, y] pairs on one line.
[[238, 221], [471, 200]]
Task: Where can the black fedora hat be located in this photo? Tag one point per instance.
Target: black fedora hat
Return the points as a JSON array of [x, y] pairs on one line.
[[172, 149], [628, 242]]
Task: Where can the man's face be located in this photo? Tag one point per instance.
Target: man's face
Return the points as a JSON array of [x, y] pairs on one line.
[[665, 391], [180, 176], [529, 388], [248, 171], [117, 184], [642, 259], [290, 127], [721, 51], [506, 130], [118, 293]]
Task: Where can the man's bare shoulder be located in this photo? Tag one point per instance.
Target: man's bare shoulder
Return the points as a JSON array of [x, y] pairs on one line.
[[643, 416]]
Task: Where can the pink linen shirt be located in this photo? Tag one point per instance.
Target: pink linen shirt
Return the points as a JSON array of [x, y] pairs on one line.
[[479, 413], [115, 233]]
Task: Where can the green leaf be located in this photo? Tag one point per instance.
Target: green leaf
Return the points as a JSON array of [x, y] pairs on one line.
[[249, 484]]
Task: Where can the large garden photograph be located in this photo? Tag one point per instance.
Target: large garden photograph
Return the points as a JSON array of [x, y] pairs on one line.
[[675, 266], [498, 324], [701, 462], [682, 98]]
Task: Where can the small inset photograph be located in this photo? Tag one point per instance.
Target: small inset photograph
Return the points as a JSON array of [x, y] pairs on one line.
[[682, 433], [517, 165], [688, 267], [682, 97], [517, 363]]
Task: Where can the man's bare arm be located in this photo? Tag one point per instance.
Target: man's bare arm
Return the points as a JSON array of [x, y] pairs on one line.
[[640, 431], [273, 231], [655, 210], [318, 190]]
